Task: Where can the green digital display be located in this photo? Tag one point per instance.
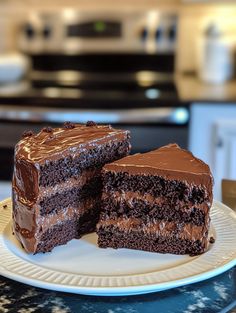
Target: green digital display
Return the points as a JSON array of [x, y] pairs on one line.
[[99, 26], [95, 29]]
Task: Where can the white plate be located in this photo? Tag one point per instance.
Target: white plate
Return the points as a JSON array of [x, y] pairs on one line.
[[82, 267]]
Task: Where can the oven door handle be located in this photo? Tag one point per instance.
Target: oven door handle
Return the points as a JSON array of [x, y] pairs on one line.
[[166, 115]]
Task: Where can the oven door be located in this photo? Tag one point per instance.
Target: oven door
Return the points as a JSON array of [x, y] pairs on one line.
[[150, 128]]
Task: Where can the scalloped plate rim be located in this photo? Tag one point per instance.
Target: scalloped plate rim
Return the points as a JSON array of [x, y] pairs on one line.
[[123, 290]]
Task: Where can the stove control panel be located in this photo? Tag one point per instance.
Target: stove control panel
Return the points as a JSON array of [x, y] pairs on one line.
[[76, 32]]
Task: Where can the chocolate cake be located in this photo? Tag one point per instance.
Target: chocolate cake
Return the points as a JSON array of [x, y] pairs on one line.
[[157, 201], [57, 182]]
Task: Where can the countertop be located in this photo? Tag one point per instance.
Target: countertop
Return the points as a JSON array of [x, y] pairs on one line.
[[214, 295], [217, 294], [191, 89]]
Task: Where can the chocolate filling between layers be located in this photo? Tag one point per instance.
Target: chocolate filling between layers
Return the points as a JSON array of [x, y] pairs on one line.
[[54, 172], [71, 197], [67, 230], [79, 182], [159, 228], [156, 186], [145, 211], [111, 236]]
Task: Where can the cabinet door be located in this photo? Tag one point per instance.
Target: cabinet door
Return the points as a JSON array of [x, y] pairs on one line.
[[212, 138], [224, 154]]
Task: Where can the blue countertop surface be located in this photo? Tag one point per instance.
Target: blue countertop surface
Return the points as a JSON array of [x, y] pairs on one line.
[[217, 294], [214, 295]]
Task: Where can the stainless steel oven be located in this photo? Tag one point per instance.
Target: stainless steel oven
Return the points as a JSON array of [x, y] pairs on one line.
[[110, 68]]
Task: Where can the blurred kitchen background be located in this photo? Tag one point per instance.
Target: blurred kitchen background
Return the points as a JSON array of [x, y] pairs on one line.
[[166, 70]]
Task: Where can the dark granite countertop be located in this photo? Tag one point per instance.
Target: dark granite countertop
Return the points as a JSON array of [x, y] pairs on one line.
[[214, 295]]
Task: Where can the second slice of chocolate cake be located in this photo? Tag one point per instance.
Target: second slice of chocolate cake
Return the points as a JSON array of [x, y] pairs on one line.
[[57, 182], [157, 201]]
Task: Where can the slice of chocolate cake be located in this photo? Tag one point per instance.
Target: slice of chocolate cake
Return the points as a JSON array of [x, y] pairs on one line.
[[57, 182], [157, 201]]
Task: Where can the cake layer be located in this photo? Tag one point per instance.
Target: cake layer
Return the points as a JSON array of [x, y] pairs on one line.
[[85, 218], [62, 169], [136, 196], [70, 197], [66, 230], [170, 162], [114, 237], [71, 212], [156, 186], [146, 211], [59, 234], [78, 182], [159, 228]]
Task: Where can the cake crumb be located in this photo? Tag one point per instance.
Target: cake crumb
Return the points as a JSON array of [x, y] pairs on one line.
[[47, 129], [212, 240], [91, 123], [68, 125], [27, 133]]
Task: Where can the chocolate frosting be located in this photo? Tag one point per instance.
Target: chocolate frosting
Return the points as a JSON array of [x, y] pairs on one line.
[[37, 148], [170, 162]]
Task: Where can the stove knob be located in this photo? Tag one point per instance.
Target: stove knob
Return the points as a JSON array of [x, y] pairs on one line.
[[172, 33], [29, 31], [159, 34], [47, 31], [144, 34]]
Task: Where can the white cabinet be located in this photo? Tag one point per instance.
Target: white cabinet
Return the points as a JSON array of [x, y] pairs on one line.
[[213, 139]]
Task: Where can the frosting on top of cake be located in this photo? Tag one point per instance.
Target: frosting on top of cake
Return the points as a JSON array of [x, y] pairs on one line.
[[54, 142], [169, 161]]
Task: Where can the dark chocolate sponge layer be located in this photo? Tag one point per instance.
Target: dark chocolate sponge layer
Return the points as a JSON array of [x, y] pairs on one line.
[[156, 186], [65, 231], [72, 197], [114, 238], [54, 172], [111, 209]]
